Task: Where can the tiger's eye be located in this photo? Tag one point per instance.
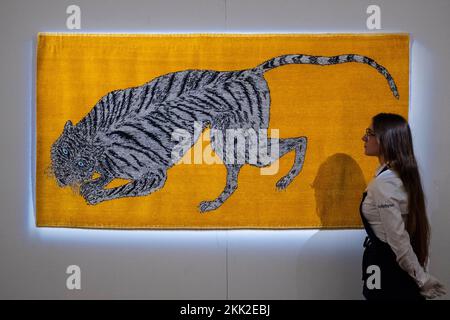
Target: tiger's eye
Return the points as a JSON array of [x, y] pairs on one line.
[[81, 163], [65, 151]]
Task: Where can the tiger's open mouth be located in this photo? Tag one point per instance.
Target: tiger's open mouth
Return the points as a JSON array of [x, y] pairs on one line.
[[62, 182], [66, 182], [66, 179]]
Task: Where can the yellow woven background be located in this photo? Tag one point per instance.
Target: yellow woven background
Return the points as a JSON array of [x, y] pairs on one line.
[[330, 105]]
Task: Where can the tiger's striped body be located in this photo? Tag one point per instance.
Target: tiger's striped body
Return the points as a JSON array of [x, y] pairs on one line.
[[128, 133], [148, 115]]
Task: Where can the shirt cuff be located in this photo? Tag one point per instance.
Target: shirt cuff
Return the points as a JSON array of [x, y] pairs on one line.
[[422, 278]]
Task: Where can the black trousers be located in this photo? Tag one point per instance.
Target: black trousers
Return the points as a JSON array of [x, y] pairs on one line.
[[396, 284]]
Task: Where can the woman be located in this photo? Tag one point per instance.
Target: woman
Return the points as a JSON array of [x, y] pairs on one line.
[[394, 216]]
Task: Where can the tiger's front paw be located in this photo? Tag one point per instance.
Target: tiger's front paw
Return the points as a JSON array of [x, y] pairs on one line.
[[91, 193], [93, 199]]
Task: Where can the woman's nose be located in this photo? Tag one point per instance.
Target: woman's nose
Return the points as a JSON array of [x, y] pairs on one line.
[[364, 138]]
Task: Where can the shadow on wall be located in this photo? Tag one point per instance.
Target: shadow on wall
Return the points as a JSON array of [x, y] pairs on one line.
[[338, 187], [334, 256]]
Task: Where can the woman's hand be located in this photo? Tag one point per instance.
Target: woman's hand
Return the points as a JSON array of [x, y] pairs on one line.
[[432, 288]]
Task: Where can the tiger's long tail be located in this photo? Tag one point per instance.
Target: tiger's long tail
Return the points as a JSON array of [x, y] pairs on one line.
[[326, 61]]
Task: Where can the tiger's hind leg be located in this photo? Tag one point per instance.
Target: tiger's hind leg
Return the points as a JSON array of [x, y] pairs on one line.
[[230, 187], [286, 145]]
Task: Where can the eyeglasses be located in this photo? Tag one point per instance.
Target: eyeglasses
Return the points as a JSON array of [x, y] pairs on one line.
[[370, 133]]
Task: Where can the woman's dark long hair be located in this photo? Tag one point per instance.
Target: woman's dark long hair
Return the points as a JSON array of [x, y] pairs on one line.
[[396, 147]]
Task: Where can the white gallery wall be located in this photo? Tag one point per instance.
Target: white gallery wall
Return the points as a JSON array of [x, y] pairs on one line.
[[294, 264]]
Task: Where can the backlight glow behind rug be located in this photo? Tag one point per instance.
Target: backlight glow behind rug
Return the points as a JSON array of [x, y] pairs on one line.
[[203, 131]]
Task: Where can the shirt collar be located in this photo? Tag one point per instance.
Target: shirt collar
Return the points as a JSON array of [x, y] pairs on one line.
[[379, 169]]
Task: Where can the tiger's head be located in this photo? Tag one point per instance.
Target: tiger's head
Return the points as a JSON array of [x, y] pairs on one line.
[[73, 158]]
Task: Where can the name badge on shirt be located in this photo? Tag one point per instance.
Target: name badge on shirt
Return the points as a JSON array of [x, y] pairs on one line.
[[385, 206]]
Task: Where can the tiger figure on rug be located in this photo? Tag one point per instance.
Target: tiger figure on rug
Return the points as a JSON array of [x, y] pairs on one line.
[[128, 133]]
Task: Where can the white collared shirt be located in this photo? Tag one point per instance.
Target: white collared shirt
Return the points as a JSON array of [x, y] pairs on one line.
[[386, 209]]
